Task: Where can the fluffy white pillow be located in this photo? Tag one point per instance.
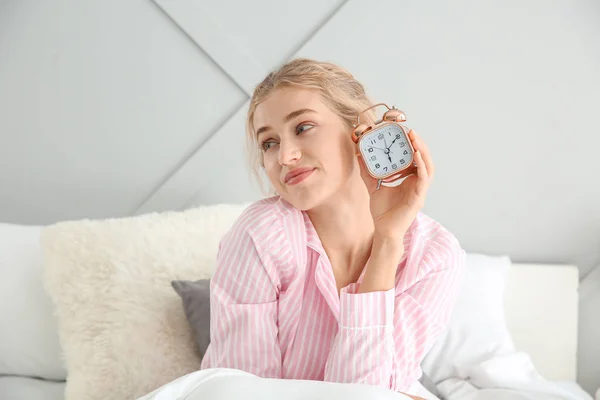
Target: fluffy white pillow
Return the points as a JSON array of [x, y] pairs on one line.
[[122, 326], [477, 331], [29, 343]]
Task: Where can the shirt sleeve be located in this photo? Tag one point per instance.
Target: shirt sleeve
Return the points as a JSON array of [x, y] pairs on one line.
[[243, 310], [384, 336]]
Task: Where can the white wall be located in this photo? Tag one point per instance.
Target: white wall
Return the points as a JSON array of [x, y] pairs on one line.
[[100, 101], [112, 108]]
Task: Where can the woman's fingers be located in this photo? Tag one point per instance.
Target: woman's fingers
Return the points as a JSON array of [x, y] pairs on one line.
[[370, 182], [422, 174], [420, 146], [424, 164]]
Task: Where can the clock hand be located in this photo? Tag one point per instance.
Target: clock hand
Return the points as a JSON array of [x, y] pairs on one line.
[[387, 150], [377, 148]]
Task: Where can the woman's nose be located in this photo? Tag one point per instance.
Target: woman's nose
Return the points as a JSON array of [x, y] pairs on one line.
[[289, 152]]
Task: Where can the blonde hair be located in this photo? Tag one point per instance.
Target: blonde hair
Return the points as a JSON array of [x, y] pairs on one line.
[[338, 88]]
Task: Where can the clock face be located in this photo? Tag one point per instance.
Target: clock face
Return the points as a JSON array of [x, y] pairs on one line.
[[386, 150]]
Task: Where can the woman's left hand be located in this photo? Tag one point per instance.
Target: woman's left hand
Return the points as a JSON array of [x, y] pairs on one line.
[[394, 208]]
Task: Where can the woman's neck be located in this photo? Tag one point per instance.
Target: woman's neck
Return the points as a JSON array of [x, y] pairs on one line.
[[345, 226]]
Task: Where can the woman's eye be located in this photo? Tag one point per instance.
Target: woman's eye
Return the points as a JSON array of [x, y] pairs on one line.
[[266, 145], [298, 129]]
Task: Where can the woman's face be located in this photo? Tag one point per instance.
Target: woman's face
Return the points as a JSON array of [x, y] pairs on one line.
[[298, 134]]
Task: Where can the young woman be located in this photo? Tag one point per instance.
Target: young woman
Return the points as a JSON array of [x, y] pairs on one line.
[[329, 279]]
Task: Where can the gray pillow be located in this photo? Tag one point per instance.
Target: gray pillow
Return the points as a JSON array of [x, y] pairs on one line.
[[195, 296]]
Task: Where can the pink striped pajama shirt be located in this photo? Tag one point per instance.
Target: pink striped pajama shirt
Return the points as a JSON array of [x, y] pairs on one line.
[[276, 313]]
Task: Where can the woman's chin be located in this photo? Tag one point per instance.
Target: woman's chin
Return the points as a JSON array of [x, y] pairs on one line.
[[304, 199], [308, 194]]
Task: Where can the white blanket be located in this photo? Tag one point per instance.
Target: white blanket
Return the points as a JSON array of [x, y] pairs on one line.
[[231, 384], [504, 378]]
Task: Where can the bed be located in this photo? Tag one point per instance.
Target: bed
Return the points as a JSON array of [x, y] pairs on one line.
[[550, 292]]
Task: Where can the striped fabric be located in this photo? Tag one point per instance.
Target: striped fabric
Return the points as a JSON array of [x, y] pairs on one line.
[[275, 309]]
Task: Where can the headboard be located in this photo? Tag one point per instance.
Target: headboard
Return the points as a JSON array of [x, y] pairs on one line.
[[541, 303]]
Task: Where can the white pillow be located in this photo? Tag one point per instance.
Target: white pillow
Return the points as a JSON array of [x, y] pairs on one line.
[[477, 331], [29, 343], [122, 325]]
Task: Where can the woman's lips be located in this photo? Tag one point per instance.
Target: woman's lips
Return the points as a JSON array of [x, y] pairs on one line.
[[298, 176]]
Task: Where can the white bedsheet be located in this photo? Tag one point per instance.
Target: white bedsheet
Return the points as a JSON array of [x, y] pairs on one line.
[[511, 377], [492, 382], [574, 389], [231, 384], [465, 391]]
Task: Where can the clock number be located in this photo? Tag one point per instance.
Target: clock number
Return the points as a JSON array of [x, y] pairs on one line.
[[402, 161], [370, 150], [380, 136], [373, 141], [394, 166], [405, 152], [385, 168], [377, 165], [373, 158], [398, 136], [402, 144]]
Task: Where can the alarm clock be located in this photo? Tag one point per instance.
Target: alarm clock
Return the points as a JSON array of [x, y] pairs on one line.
[[385, 146]]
